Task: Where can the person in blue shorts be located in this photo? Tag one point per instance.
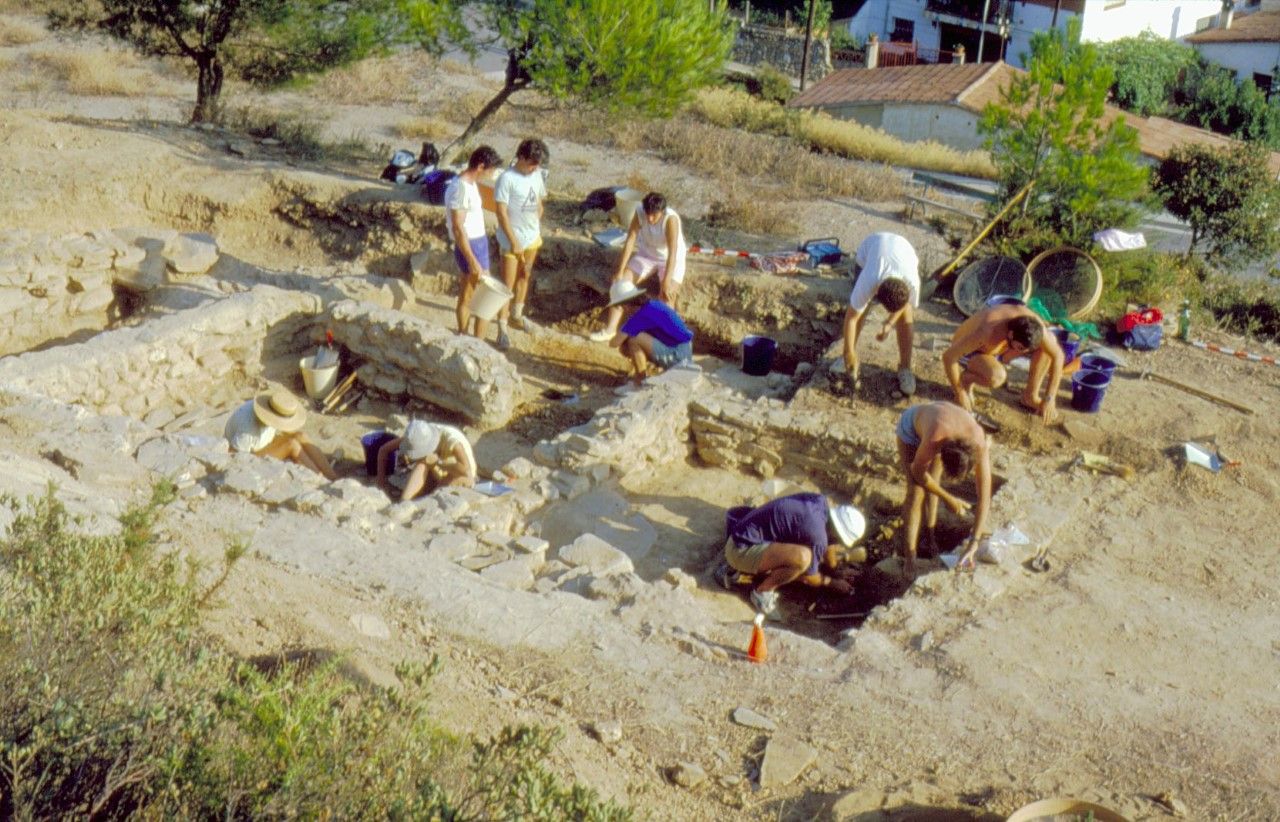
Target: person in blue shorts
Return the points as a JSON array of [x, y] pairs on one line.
[[464, 219], [654, 333]]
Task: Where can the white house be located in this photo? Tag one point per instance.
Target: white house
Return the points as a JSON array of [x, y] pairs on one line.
[[1248, 44], [934, 28]]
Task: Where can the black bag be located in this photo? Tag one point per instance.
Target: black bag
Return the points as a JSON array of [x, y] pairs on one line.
[[434, 183], [429, 156]]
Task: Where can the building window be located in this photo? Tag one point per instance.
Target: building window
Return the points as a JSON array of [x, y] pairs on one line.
[[1263, 82], [904, 31]]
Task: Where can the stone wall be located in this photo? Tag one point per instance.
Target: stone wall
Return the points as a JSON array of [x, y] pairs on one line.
[[644, 429], [759, 46], [407, 357], [52, 286], [765, 436], [174, 362]]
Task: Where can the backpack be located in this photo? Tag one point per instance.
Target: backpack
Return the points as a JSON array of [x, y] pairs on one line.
[[1141, 330], [400, 164], [434, 183]]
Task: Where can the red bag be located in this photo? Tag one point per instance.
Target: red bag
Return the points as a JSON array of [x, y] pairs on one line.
[[1147, 316]]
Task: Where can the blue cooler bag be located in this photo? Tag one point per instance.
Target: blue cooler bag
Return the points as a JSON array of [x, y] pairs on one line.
[[822, 251]]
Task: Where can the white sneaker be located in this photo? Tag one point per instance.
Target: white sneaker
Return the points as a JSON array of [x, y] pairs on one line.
[[906, 381], [766, 603], [601, 336]]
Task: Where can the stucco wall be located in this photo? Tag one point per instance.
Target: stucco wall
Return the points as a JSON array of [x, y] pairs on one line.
[[1243, 58], [948, 125]]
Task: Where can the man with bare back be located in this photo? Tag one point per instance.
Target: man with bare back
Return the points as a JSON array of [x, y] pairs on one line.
[[992, 337]]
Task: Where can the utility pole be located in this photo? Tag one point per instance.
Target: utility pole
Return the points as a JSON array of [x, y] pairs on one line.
[[1057, 7], [808, 41], [982, 34]]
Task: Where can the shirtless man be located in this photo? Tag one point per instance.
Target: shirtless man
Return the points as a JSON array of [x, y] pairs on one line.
[[994, 336], [936, 438]]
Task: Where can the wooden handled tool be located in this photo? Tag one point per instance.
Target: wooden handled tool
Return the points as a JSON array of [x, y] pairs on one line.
[[336, 394], [1196, 392]]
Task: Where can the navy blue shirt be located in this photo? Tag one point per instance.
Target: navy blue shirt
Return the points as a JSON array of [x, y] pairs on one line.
[[800, 519], [660, 321]]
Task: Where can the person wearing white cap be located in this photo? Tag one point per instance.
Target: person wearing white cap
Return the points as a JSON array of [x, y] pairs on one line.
[[270, 425], [788, 539], [654, 334], [654, 245], [428, 456]]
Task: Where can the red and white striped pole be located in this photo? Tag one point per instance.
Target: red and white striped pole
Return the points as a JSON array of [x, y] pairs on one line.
[[1231, 352]]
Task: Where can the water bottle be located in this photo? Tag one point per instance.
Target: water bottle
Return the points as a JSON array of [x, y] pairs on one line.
[[1184, 321]]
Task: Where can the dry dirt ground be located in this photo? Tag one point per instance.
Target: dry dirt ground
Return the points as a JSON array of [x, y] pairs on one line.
[[1141, 670]]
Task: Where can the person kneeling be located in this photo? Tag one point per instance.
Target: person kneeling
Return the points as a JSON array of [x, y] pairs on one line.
[[787, 540], [427, 457], [270, 425], [655, 332]]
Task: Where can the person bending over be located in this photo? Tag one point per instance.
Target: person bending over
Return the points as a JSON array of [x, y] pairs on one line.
[[270, 425], [655, 244], [983, 344], [428, 456], [889, 273]]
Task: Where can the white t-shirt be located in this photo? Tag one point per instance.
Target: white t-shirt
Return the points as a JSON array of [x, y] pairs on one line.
[[245, 432], [449, 438], [651, 243], [462, 196], [522, 193], [883, 256]]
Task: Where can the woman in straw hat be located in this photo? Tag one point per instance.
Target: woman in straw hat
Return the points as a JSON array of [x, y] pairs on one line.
[[270, 425], [428, 456]]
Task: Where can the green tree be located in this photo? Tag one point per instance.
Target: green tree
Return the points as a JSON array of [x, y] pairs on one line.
[[612, 54], [1211, 98], [1147, 69], [1050, 128], [268, 41], [1228, 196]]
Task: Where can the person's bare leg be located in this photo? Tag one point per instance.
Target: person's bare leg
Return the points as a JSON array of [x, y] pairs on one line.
[[510, 271], [524, 277], [782, 563], [318, 461], [906, 330], [931, 510], [984, 370], [463, 309], [1032, 395], [911, 509], [639, 361]]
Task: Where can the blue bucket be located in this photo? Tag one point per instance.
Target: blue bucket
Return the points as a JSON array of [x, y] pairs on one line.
[[757, 355], [1092, 362], [1068, 345], [1088, 387], [372, 443]]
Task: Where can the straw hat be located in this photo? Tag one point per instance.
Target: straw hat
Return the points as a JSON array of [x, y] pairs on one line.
[[280, 410], [849, 523], [421, 439], [622, 291]]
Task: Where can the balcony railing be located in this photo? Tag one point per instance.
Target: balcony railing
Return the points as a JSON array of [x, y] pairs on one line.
[[964, 9]]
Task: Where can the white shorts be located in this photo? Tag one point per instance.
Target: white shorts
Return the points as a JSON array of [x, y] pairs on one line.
[[643, 266]]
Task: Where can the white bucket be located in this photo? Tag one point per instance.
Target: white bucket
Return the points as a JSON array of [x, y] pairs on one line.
[[318, 381], [491, 295], [627, 200]]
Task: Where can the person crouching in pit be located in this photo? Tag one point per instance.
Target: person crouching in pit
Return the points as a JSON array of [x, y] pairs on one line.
[[270, 425], [427, 457], [654, 334], [788, 539]]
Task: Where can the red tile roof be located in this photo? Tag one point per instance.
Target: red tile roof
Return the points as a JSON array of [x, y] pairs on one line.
[[1259, 27], [971, 87]]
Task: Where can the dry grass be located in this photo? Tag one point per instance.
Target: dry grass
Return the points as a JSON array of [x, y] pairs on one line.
[[20, 33], [820, 132], [96, 73], [753, 209], [461, 108], [422, 128], [381, 80]]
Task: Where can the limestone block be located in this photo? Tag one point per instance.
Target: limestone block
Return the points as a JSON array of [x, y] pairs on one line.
[[453, 547], [596, 555], [570, 485], [87, 253], [166, 457], [618, 589], [785, 758], [192, 254], [516, 573], [520, 468], [402, 512], [357, 499], [146, 274], [496, 517], [530, 545], [311, 501], [93, 301]]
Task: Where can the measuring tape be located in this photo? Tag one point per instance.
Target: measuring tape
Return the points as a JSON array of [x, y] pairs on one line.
[[721, 252], [1240, 355]]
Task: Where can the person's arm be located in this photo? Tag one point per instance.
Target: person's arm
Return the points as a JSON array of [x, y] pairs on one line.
[[463, 242], [920, 473], [672, 232], [951, 365], [384, 456], [851, 318], [889, 322], [460, 458], [629, 246], [504, 225], [982, 484], [415, 482]]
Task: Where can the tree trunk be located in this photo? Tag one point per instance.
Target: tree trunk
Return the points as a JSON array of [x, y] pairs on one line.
[[516, 79], [208, 88], [808, 43]]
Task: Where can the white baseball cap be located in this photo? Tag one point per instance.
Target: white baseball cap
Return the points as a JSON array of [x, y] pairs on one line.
[[849, 523]]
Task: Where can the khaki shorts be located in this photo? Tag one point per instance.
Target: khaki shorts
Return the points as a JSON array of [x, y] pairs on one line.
[[746, 560], [506, 249]]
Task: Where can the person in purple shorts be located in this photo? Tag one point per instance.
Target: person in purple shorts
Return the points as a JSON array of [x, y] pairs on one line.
[[654, 333], [464, 216]]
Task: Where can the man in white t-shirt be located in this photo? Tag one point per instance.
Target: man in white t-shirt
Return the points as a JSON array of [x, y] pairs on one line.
[[889, 273], [464, 216], [270, 425], [518, 198]]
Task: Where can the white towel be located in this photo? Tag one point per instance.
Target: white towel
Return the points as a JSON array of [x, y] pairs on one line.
[[1113, 239]]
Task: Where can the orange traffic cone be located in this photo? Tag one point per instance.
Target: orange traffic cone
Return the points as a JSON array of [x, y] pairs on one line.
[[756, 650]]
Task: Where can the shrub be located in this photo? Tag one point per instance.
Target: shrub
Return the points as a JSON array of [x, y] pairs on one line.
[[113, 705], [775, 86], [752, 209], [19, 33], [95, 73], [1147, 69], [1145, 277], [421, 128], [1247, 307], [373, 80]]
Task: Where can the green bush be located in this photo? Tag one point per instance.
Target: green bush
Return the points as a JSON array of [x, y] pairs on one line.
[[1145, 277], [1148, 69], [774, 85], [114, 705], [1246, 307]]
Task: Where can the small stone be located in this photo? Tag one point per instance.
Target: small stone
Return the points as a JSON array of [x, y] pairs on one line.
[[785, 758], [479, 563], [596, 555], [854, 804], [609, 731], [530, 545], [680, 580], [687, 775], [371, 626], [924, 642], [730, 780], [748, 718], [453, 547]]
